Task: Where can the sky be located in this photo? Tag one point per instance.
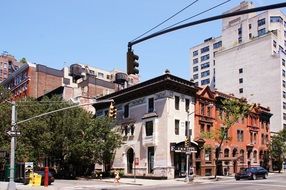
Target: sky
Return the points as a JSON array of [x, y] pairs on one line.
[[58, 33]]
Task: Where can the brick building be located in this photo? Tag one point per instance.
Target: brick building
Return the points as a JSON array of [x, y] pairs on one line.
[[8, 64], [154, 116], [249, 136]]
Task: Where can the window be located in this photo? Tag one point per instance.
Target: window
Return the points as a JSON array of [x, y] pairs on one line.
[[226, 152], [284, 94], [283, 62], [274, 43], [205, 65], [205, 73], [205, 57], [284, 83], [240, 70], [284, 105], [255, 156], [261, 22], [177, 126], [202, 127], [126, 111], [261, 32], [283, 72], [208, 128], [205, 82], [262, 139], [208, 153], [202, 108], [177, 102], [187, 104], [284, 116], [241, 155], [241, 90], [195, 61], [250, 35], [205, 49], [196, 68], [249, 26], [100, 75], [276, 19], [209, 111], [150, 105], [254, 138], [239, 135], [217, 45], [240, 80], [195, 53], [195, 76], [149, 128]]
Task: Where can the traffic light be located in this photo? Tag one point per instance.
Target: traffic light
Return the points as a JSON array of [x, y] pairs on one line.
[[187, 142], [112, 111], [132, 63]]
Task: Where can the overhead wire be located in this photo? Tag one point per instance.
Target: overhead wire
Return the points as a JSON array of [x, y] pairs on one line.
[[166, 20], [200, 13]]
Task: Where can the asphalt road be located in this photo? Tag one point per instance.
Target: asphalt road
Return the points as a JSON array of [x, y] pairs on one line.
[[273, 182]]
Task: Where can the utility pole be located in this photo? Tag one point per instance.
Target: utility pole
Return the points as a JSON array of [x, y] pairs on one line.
[[11, 184]]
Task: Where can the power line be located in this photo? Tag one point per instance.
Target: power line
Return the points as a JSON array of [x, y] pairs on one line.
[[196, 15], [165, 20], [217, 17]]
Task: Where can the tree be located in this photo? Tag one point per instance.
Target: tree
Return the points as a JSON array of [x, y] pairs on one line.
[[63, 137], [277, 149], [23, 60], [232, 110]]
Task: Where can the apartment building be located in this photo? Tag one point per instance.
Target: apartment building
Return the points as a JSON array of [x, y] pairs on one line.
[[8, 64], [154, 118], [85, 82], [251, 60], [248, 139]]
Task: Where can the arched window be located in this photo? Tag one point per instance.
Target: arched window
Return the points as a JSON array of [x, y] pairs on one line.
[[255, 156], [241, 155]]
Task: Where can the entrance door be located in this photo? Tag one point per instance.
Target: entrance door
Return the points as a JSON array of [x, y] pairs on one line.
[[130, 159], [180, 164]]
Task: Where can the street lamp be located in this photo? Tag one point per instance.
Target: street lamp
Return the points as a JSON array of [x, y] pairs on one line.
[[13, 133], [187, 146]]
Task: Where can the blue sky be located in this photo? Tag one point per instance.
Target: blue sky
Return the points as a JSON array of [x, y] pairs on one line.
[[58, 33]]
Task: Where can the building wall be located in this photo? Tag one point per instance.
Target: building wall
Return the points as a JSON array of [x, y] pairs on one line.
[[258, 85], [256, 43], [8, 64]]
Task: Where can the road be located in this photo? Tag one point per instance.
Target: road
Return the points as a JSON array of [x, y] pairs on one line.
[[274, 182]]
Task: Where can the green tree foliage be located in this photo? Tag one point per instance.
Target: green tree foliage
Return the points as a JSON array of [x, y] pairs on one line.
[[277, 149], [73, 138], [232, 110], [23, 60]]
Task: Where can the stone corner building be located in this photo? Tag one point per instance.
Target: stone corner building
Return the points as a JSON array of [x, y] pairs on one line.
[[154, 116]]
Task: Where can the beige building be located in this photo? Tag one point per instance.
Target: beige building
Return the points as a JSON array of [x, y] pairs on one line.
[[251, 60], [153, 117]]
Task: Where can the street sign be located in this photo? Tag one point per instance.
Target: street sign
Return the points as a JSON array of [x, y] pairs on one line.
[[13, 133]]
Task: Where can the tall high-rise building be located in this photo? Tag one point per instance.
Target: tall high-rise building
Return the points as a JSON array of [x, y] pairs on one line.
[[249, 62]]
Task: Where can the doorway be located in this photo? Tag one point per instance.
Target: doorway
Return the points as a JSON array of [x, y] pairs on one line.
[[130, 159], [180, 164]]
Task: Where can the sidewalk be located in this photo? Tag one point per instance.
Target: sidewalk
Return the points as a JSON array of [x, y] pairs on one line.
[[109, 183]]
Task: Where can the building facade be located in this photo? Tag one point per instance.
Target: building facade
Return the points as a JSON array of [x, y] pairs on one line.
[[247, 142], [154, 118], [36, 80], [8, 64], [251, 60]]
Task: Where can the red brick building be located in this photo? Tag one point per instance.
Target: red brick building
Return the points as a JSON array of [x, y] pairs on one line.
[[249, 136], [8, 64]]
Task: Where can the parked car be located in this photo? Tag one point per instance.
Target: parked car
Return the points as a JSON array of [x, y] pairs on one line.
[[252, 173], [51, 177]]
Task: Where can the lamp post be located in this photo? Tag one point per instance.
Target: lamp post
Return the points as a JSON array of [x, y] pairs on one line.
[[189, 140], [13, 133]]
